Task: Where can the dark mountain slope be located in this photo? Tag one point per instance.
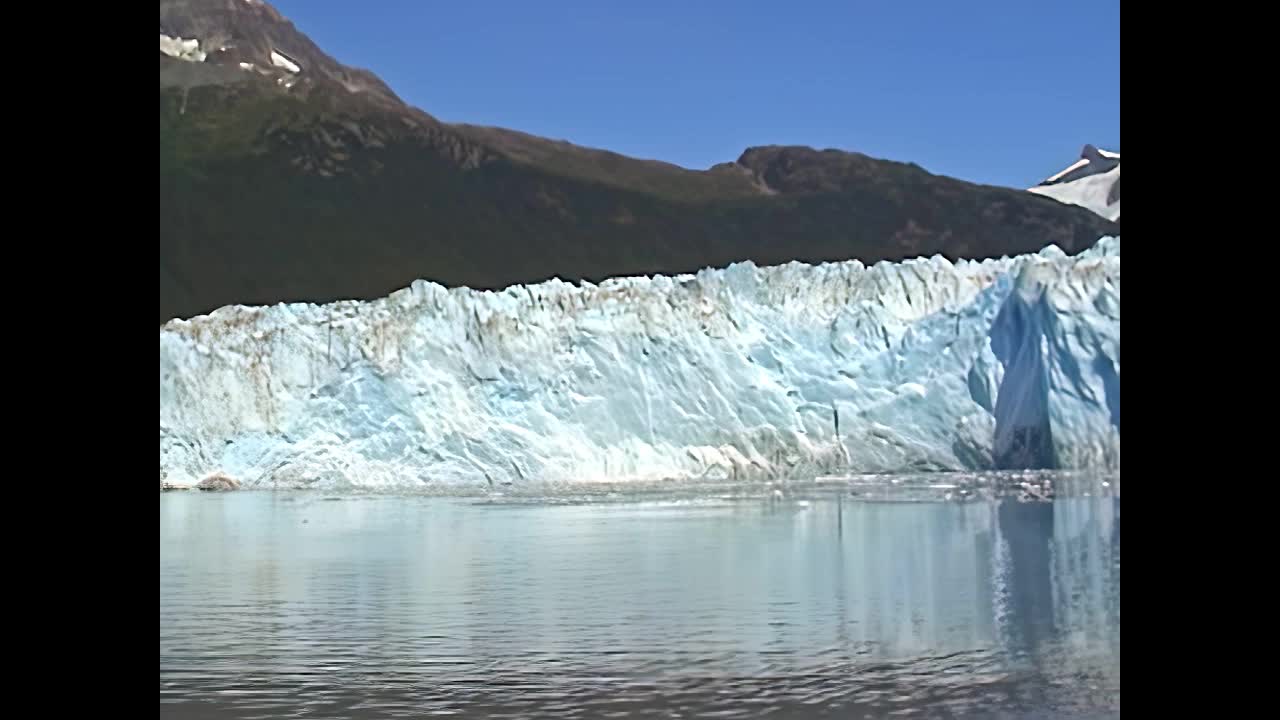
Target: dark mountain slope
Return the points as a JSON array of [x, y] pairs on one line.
[[285, 176]]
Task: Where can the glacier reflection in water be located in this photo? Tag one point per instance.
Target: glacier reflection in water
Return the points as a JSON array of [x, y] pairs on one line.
[[350, 606]]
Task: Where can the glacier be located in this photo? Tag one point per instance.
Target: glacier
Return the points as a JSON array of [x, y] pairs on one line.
[[742, 373]]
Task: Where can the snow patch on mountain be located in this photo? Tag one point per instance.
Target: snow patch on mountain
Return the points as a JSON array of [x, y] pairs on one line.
[[281, 61], [182, 48]]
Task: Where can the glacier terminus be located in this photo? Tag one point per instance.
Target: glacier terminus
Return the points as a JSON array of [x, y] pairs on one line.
[[740, 373]]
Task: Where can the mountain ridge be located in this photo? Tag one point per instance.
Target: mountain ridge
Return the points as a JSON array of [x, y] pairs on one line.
[[286, 175]]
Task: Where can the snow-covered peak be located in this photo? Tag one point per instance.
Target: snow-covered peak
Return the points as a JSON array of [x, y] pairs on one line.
[[1091, 182], [1093, 161]]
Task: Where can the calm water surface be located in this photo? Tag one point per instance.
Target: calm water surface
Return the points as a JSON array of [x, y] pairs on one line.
[[304, 605]]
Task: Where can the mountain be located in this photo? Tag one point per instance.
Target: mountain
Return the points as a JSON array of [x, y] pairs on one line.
[[288, 176], [1091, 182], [738, 373]]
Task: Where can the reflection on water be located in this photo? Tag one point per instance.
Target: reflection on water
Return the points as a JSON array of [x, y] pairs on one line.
[[296, 604]]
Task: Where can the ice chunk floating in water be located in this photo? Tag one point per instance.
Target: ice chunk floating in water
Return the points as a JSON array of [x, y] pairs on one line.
[[737, 373]]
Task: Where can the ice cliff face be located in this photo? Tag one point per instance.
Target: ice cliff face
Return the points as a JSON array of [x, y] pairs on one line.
[[743, 373]]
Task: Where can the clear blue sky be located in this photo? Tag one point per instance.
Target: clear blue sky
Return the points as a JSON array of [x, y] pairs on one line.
[[1004, 91]]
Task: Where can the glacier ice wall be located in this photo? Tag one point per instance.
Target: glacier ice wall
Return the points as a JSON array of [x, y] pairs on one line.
[[736, 373]]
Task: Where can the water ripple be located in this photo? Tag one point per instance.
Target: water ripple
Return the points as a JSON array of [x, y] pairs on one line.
[[659, 607]]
